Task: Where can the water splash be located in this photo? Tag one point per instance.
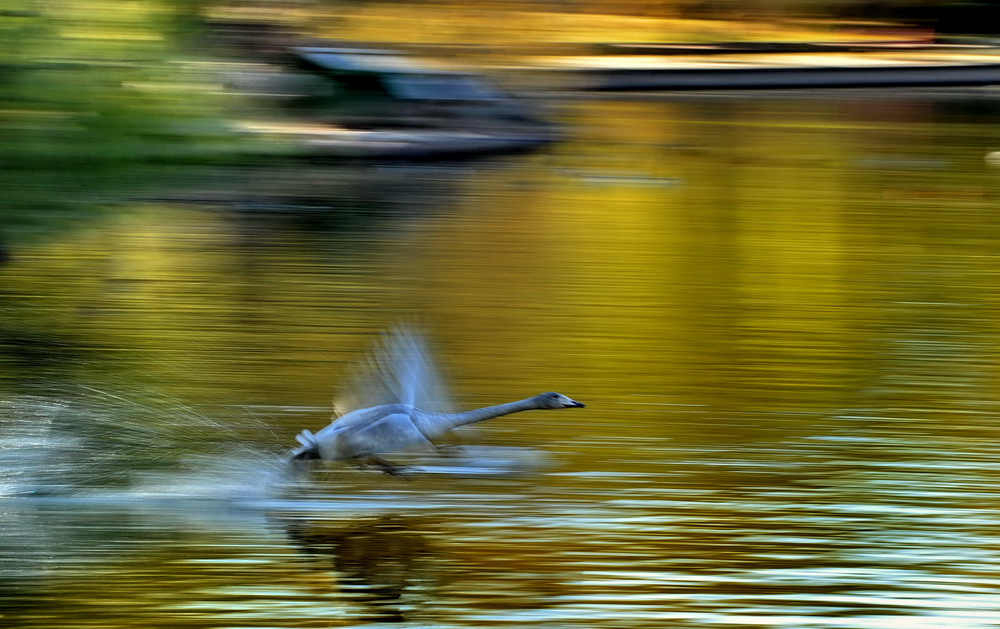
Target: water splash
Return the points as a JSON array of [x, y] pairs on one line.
[[242, 474], [144, 444], [141, 444], [401, 370]]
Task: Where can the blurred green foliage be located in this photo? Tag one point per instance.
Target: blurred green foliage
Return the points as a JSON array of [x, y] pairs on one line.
[[95, 99]]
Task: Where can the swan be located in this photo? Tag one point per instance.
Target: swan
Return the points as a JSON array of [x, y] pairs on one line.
[[368, 432], [397, 401], [409, 412]]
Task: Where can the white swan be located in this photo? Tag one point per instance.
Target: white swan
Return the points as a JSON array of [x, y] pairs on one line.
[[404, 388], [368, 432]]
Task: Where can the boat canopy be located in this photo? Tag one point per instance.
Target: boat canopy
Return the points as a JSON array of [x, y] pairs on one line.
[[401, 76]]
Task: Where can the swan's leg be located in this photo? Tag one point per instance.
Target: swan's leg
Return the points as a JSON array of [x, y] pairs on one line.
[[387, 467], [449, 450], [392, 433]]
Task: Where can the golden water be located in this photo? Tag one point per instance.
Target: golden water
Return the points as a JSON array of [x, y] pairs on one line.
[[781, 311]]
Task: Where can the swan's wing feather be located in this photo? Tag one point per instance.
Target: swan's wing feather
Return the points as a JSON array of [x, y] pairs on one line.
[[362, 386], [400, 370], [418, 381]]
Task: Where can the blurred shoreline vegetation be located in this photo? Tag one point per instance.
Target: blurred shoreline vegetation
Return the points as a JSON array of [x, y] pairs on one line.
[[98, 98], [527, 22]]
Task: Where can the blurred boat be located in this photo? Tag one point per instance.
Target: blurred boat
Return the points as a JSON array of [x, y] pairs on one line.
[[362, 103], [318, 141]]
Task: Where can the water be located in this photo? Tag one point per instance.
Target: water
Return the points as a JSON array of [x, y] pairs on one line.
[[779, 310]]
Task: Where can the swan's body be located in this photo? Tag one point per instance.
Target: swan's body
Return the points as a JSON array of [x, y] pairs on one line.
[[369, 432], [396, 402]]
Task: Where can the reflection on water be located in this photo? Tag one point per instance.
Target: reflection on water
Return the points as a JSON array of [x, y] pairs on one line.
[[382, 564], [780, 311]]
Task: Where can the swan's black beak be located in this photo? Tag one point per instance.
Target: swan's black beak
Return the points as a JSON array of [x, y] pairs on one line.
[[575, 404]]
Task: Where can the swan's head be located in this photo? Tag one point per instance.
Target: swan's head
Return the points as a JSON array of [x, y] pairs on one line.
[[557, 400]]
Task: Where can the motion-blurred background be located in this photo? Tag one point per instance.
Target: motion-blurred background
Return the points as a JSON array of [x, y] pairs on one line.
[[780, 306]]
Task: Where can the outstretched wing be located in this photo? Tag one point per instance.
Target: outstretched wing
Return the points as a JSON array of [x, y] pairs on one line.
[[400, 370], [392, 433]]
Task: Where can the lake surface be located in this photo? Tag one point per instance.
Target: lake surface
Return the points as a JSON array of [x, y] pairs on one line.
[[782, 311]]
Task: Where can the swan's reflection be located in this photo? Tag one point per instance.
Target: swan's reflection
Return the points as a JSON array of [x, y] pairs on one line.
[[383, 564]]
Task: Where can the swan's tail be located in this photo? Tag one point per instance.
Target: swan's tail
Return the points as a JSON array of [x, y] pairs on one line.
[[309, 448]]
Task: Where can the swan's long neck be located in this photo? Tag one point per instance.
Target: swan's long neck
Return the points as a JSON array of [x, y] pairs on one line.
[[487, 412]]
